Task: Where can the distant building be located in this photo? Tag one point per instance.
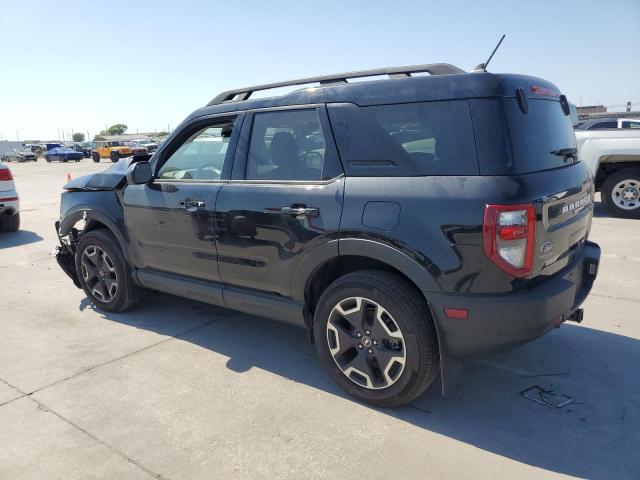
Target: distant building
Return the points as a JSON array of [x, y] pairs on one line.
[[589, 109]]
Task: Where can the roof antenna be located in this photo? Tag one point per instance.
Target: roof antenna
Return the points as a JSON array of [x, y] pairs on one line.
[[483, 66]]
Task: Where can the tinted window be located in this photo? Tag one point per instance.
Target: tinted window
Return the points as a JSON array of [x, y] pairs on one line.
[[536, 135], [286, 145], [630, 124], [603, 125], [201, 157], [427, 138]]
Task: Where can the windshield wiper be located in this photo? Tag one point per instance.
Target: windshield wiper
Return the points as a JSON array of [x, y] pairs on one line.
[[569, 152]]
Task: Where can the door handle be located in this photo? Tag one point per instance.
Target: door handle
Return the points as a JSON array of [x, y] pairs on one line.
[[192, 205], [300, 211]]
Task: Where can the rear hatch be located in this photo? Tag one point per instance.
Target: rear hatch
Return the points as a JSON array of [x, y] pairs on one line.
[[560, 186]]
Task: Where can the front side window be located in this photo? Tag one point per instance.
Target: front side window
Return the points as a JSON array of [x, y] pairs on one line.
[[201, 157], [286, 145]]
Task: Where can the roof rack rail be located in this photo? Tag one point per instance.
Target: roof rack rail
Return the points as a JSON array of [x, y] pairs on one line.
[[337, 78]]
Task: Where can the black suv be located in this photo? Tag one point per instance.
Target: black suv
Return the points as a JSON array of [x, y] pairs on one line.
[[406, 223]]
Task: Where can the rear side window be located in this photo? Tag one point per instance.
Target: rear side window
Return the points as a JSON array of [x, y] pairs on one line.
[[286, 145], [630, 124], [411, 139], [543, 138]]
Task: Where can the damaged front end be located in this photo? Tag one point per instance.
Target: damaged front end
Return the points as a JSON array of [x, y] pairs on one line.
[[66, 253]]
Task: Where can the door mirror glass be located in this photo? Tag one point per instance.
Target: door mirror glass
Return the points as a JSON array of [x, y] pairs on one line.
[[139, 173]]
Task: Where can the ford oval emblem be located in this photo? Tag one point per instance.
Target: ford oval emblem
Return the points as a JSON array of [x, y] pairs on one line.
[[546, 248]]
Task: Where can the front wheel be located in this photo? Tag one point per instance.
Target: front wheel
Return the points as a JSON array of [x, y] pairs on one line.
[[95, 157], [375, 336], [621, 193], [103, 272], [114, 156], [48, 159]]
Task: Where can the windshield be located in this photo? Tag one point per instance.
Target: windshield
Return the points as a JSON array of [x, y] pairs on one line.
[[543, 138], [117, 144]]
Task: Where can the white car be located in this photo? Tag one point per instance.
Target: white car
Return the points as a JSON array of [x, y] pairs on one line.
[[613, 156], [9, 201]]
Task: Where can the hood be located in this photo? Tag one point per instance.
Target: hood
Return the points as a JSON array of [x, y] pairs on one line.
[[108, 179]]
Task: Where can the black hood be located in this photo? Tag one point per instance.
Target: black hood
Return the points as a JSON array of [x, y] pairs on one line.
[[108, 179]]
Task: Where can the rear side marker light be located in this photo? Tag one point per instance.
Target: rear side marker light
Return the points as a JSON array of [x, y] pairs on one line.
[[508, 237], [9, 199], [5, 175], [457, 313]]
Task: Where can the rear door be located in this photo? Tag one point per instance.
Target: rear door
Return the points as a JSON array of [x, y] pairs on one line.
[[170, 221], [284, 198], [560, 186]]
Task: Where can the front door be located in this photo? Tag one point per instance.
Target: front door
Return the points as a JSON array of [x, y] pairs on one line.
[[170, 221], [284, 199]]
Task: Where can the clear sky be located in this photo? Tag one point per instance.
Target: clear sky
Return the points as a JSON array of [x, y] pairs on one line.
[[82, 65]]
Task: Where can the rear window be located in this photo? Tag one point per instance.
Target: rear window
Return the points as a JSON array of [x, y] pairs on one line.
[[540, 138], [427, 138]]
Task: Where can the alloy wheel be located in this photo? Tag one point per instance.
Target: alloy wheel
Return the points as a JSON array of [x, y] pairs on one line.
[[99, 273], [366, 343]]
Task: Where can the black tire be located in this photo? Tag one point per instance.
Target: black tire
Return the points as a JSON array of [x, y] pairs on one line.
[[127, 293], [10, 223], [114, 156], [632, 176], [95, 156], [48, 158], [408, 312]]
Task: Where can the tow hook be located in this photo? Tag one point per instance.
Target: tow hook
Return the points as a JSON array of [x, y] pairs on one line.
[[576, 316]]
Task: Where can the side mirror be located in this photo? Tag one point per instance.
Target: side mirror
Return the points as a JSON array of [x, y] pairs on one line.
[[139, 173]]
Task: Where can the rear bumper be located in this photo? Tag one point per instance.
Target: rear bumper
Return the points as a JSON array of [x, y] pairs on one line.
[[9, 206], [501, 322]]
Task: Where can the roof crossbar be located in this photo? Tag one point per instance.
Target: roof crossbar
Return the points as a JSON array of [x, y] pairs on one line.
[[339, 78]]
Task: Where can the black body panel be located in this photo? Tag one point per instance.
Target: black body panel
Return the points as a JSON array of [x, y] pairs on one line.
[[260, 247]]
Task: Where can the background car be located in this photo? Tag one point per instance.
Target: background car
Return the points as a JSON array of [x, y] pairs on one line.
[[19, 155], [63, 154], [9, 201], [84, 148], [137, 148], [113, 150], [149, 144], [608, 123]]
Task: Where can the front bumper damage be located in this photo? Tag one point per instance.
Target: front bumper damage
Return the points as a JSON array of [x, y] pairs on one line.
[[66, 253]]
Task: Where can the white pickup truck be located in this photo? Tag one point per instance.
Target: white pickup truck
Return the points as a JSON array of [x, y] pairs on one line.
[[613, 155]]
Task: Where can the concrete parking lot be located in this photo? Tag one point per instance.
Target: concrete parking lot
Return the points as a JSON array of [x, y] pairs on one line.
[[177, 389]]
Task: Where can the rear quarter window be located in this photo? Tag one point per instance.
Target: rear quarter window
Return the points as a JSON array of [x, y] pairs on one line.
[[410, 139]]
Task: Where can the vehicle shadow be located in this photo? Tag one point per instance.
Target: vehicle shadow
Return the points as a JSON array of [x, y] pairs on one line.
[[21, 237], [599, 210], [595, 436]]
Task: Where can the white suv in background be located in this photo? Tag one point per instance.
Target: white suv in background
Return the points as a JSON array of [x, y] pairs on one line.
[[9, 202]]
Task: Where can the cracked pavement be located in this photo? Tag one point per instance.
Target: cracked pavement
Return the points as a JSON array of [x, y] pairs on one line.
[[176, 389]]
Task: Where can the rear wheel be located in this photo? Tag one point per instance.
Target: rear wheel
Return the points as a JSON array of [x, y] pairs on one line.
[[95, 156], [10, 223], [621, 193], [114, 156], [103, 272], [376, 338], [48, 158]]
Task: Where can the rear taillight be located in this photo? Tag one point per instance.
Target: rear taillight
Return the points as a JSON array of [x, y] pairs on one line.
[[5, 175], [508, 237]]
